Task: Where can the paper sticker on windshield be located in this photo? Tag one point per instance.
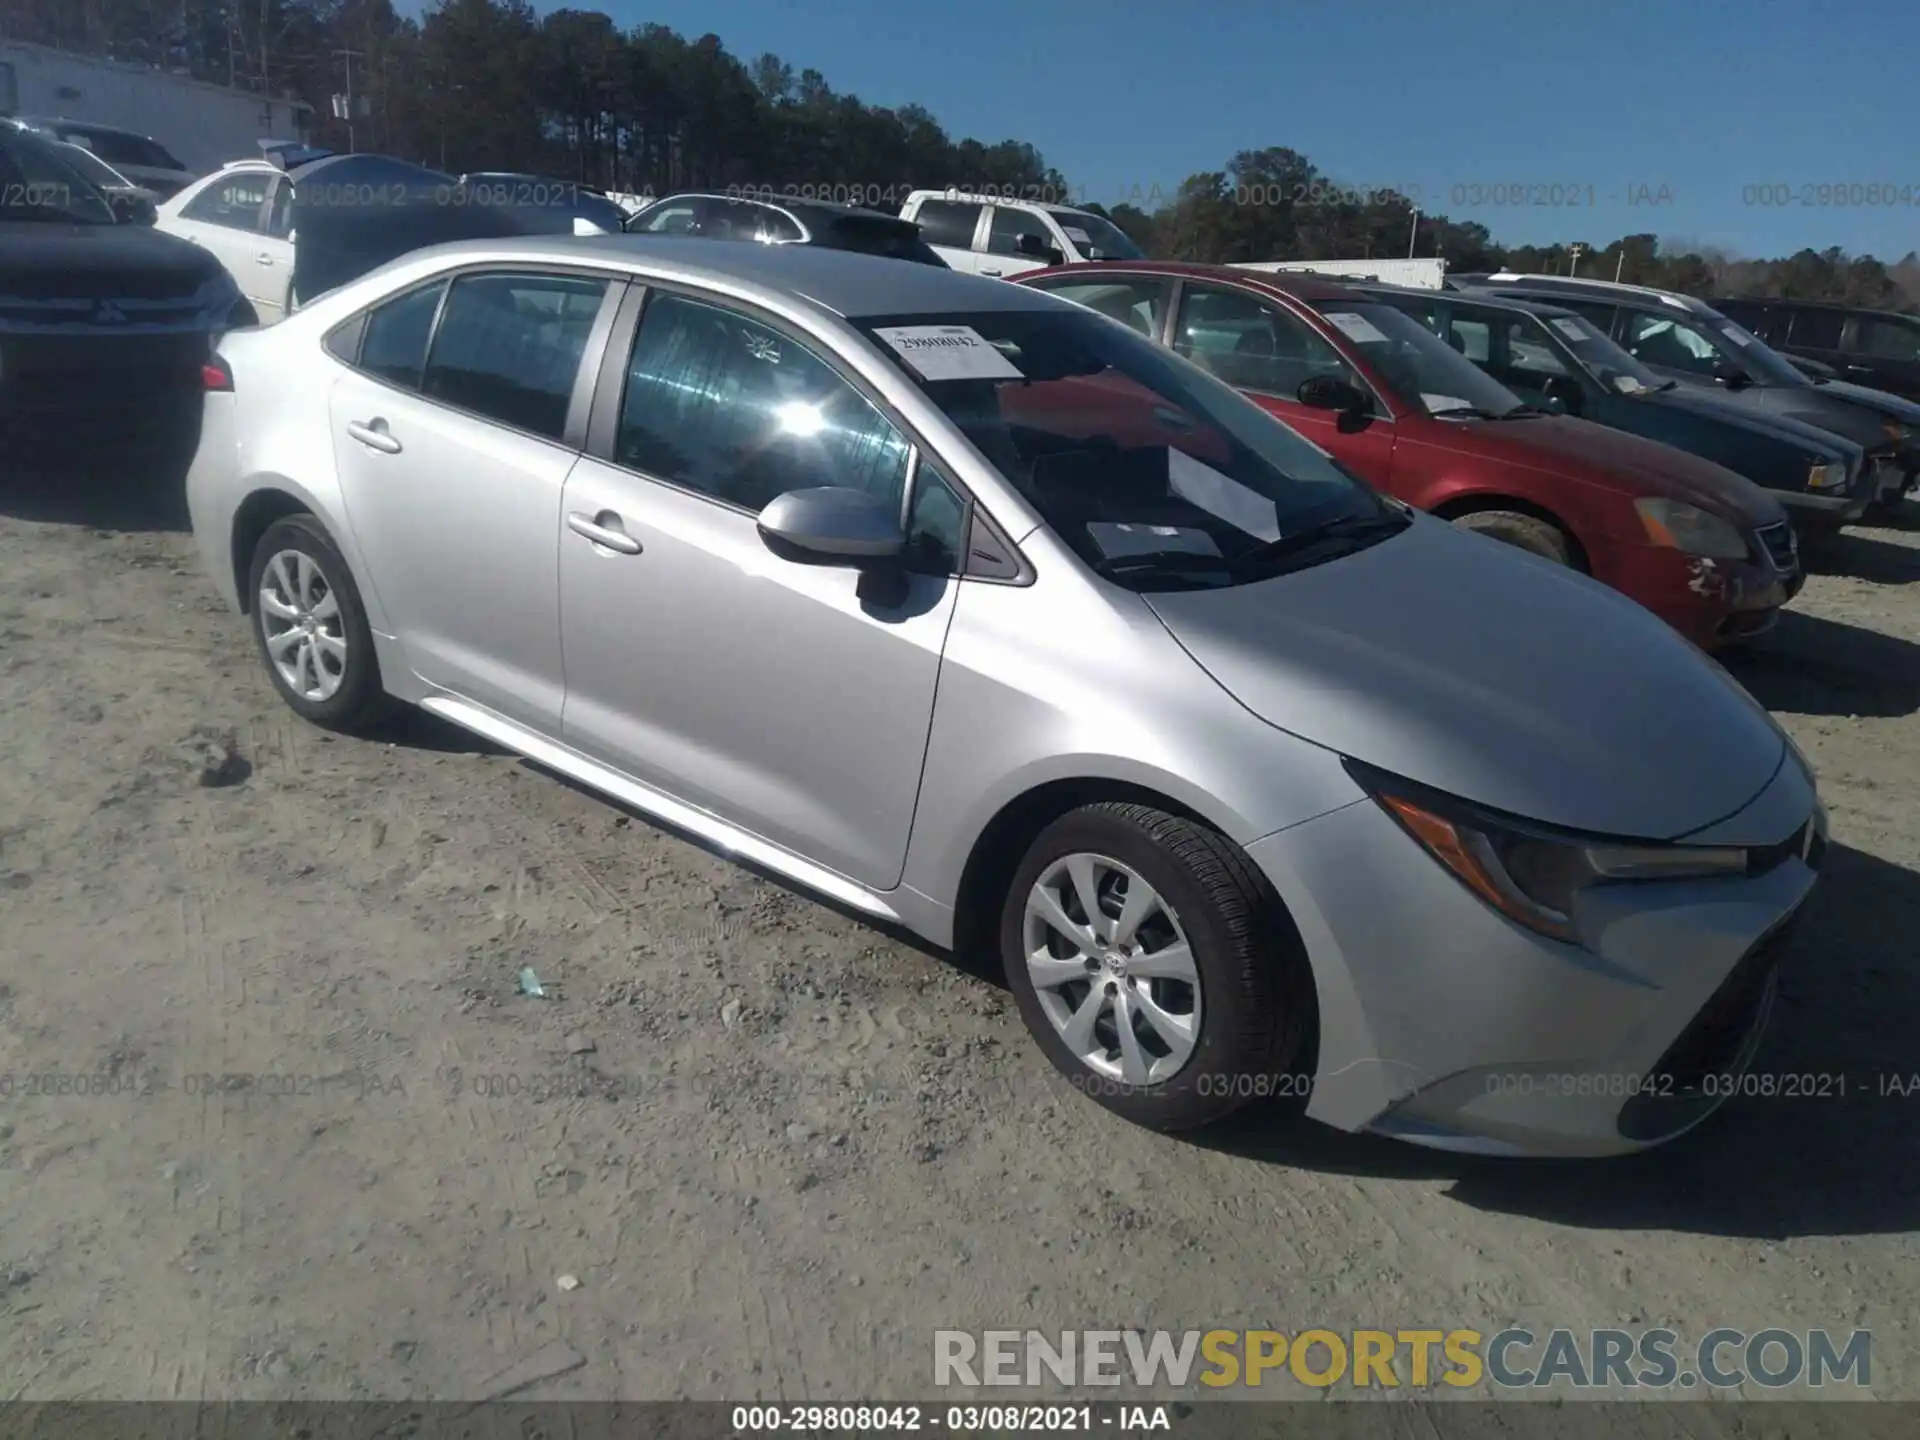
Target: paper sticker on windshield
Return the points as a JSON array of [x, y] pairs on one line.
[[1223, 496], [1078, 237], [1627, 384], [1117, 539], [1737, 335], [948, 352], [1440, 404], [1569, 328], [1355, 327]]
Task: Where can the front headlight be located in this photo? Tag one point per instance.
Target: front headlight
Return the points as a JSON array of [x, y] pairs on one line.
[[1831, 476], [1689, 529], [1529, 873]]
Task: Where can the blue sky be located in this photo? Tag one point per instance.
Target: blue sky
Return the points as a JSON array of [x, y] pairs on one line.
[[1602, 102]]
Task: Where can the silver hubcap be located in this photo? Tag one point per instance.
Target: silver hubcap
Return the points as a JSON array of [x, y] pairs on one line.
[[1113, 969], [300, 618]]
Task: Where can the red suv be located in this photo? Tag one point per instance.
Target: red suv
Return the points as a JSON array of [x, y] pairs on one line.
[[1705, 549]]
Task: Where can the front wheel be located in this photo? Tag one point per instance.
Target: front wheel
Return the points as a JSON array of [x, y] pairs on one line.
[[311, 628], [1151, 961], [1528, 532]]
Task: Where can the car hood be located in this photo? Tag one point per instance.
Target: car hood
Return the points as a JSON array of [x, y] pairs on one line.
[[1562, 443], [1894, 407], [40, 260], [1710, 405], [1486, 672], [1815, 405], [353, 213]]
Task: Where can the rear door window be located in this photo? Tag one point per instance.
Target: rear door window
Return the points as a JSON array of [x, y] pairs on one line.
[[235, 202], [1813, 329], [948, 222], [508, 347], [394, 345], [1888, 339]]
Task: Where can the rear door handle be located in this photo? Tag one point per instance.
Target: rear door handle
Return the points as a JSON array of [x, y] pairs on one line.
[[604, 530], [985, 271], [263, 258], [374, 435]]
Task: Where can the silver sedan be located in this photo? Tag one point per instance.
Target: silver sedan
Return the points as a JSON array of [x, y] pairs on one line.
[[972, 610]]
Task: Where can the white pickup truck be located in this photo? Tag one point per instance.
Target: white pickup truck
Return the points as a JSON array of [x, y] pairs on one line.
[[999, 236]]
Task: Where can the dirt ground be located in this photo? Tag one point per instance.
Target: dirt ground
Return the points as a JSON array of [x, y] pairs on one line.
[[277, 1122]]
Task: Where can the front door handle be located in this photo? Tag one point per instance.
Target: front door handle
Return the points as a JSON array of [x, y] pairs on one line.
[[374, 435], [985, 271], [263, 258], [604, 530]]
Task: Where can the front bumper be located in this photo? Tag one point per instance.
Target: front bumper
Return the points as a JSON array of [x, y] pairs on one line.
[[1711, 602], [1444, 1024], [71, 398]]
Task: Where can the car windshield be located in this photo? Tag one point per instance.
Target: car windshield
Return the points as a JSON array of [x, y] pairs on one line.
[[1754, 355], [1157, 475], [1422, 370], [93, 167], [1600, 357], [120, 147], [882, 235], [1096, 238], [36, 183]]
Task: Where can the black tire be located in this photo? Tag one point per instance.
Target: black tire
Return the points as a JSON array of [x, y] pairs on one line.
[[360, 702], [1258, 1006], [1528, 532]]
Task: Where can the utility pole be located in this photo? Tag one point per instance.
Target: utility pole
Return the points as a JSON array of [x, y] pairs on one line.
[[1413, 235], [1620, 265], [1574, 252], [347, 107]]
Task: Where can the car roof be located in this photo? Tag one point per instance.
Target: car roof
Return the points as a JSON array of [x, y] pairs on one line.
[[83, 126], [1594, 289], [1300, 287], [967, 198], [793, 205], [843, 282], [1472, 297], [1822, 305]]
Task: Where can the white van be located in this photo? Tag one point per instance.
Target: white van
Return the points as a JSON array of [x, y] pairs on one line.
[[991, 235]]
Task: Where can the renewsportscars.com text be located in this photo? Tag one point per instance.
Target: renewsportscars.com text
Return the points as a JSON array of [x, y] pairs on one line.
[[1511, 1359]]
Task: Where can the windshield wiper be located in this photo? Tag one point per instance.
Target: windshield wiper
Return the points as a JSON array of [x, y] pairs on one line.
[[1159, 562], [1521, 412], [1349, 531], [1463, 412]]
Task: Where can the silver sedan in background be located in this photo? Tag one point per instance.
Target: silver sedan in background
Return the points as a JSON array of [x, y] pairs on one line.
[[971, 610]]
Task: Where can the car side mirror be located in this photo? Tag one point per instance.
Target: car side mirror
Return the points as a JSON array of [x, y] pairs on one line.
[[1564, 394], [832, 524], [1731, 376], [1036, 247], [132, 209], [1330, 392]]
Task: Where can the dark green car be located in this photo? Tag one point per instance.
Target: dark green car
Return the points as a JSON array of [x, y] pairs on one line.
[[1558, 360]]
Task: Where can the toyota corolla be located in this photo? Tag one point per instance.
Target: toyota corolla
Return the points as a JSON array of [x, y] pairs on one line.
[[962, 606]]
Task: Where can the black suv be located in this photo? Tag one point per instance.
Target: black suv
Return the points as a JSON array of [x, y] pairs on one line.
[[785, 221], [1690, 341], [1880, 348], [104, 325]]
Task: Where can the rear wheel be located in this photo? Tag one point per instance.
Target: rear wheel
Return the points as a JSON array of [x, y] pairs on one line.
[[1150, 960], [1529, 532], [311, 628]]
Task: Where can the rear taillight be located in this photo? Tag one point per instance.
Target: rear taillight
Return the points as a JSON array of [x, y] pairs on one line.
[[214, 375]]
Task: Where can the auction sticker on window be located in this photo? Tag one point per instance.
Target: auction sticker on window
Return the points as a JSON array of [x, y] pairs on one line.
[[1355, 327], [1078, 237], [948, 352], [1569, 328]]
